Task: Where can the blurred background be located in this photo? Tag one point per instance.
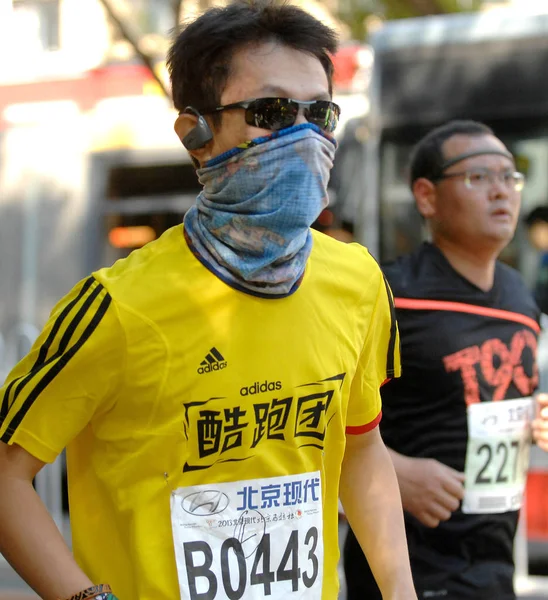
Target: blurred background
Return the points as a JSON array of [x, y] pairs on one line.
[[90, 167]]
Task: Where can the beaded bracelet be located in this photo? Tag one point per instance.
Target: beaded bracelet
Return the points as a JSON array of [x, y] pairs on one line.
[[97, 592]]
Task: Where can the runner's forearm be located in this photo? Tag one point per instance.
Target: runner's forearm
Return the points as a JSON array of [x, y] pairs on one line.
[[371, 499], [32, 544], [398, 460]]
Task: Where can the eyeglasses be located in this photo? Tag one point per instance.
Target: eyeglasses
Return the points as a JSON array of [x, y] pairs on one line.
[[279, 113], [483, 178]]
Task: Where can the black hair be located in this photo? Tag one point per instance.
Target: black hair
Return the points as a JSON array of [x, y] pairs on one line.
[[427, 156], [539, 214], [200, 58]]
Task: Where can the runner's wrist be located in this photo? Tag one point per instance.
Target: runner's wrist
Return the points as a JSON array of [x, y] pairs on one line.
[[96, 592]]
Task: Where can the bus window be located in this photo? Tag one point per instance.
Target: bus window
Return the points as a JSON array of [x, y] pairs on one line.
[[141, 202], [129, 232], [401, 224]]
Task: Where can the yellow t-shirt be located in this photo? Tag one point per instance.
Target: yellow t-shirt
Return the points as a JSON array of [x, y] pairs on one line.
[[157, 376]]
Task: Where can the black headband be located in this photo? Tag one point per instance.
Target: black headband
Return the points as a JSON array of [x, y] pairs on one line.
[[457, 159]]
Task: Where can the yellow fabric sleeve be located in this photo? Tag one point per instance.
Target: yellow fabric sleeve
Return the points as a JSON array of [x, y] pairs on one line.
[[379, 362], [70, 374]]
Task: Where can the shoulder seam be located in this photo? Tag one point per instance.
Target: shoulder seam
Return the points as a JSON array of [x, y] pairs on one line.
[[161, 336]]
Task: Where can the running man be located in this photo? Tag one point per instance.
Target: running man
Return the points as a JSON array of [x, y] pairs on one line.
[[469, 330], [216, 389]]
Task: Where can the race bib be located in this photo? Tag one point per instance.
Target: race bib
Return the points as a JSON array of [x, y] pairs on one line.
[[261, 538], [497, 456]]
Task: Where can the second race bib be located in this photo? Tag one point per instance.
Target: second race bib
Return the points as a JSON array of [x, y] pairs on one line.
[[497, 455], [261, 538]]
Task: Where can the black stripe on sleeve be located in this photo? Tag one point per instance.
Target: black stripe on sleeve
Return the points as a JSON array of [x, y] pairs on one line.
[[45, 347], [393, 332], [63, 344], [52, 373]]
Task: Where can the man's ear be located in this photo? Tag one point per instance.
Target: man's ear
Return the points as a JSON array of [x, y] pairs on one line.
[[195, 134], [424, 192]]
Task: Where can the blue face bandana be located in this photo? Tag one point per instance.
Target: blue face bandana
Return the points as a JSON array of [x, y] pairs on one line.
[[251, 223]]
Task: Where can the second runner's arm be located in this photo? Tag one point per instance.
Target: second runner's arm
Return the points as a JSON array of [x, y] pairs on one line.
[[430, 490]]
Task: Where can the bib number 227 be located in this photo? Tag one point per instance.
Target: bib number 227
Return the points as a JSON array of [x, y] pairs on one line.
[[238, 572], [506, 456]]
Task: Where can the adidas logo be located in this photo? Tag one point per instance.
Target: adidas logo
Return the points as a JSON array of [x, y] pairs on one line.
[[214, 361]]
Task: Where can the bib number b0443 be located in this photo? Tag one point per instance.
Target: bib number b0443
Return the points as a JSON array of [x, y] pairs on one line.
[[254, 539], [237, 577]]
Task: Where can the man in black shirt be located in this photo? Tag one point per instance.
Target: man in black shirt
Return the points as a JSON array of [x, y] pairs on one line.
[[469, 330]]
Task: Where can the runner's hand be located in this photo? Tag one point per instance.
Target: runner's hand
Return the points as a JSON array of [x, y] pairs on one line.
[[540, 424], [430, 490]]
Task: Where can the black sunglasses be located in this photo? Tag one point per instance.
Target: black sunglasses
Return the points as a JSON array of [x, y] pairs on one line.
[[279, 113]]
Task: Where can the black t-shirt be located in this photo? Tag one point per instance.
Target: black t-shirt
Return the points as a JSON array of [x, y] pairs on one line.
[[459, 345]]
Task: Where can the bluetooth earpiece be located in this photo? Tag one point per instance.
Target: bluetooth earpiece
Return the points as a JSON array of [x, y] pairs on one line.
[[198, 136]]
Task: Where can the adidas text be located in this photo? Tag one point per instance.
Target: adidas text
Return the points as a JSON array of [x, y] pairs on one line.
[[259, 388], [217, 366]]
